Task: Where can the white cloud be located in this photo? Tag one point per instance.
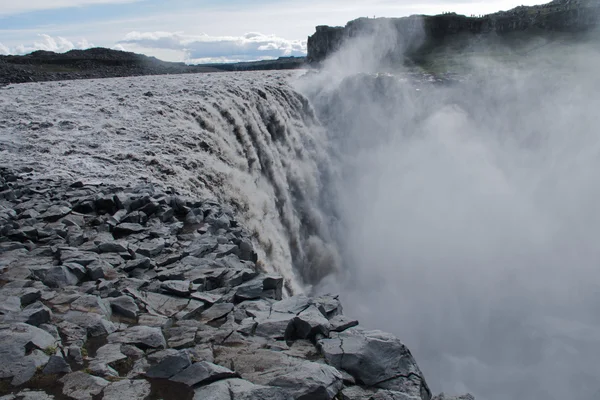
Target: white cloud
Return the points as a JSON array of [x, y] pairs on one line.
[[205, 48], [56, 44], [9, 7]]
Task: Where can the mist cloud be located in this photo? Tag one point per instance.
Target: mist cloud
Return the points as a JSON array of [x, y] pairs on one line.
[[206, 48], [469, 216]]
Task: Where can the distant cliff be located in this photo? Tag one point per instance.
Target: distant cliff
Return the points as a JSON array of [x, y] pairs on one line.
[[107, 63], [419, 33]]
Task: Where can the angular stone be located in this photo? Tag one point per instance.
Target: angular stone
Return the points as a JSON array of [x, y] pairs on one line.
[[377, 359], [140, 336], [94, 324], [310, 323], [56, 365], [36, 314], [92, 304], [162, 304], [57, 277], [110, 354], [128, 229], [97, 269], [125, 306], [117, 246], [330, 304], [138, 389], [249, 290], [201, 247], [238, 389], [170, 366], [340, 323], [151, 248], [299, 378], [274, 325], [181, 336], [203, 373], [56, 212], [179, 288], [142, 263], [217, 311], [293, 305], [81, 386]]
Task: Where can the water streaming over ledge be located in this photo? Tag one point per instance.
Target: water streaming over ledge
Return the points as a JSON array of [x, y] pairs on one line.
[[460, 217]]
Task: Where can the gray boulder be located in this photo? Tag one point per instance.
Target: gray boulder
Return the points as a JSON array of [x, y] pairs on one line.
[[22, 351], [125, 306], [170, 365], [81, 386], [310, 323], [239, 389], [376, 359], [140, 336], [138, 389], [203, 373]]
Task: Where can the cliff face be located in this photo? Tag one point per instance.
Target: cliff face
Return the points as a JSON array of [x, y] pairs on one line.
[[418, 32]]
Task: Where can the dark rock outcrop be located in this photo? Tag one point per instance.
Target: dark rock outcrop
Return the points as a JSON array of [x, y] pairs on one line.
[[217, 328], [418, 34]]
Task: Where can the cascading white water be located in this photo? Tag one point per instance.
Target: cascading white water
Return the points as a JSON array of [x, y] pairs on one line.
[[461, 218], [248, 140]]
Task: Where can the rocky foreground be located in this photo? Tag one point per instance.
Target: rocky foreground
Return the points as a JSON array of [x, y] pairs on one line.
[[136, 292]]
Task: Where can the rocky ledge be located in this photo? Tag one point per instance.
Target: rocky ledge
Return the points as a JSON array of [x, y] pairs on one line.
[[420, 35], [140, 293]]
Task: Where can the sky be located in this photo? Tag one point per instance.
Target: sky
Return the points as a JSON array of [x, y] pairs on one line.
[[197, 31]]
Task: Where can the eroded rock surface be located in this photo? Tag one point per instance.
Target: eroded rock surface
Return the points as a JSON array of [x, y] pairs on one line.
[[127, 293]]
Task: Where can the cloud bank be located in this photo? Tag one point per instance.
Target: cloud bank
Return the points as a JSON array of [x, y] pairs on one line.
[[56, 44], [205, 48]]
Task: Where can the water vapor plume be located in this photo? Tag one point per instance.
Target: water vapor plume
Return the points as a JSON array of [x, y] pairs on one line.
[[469, 214]]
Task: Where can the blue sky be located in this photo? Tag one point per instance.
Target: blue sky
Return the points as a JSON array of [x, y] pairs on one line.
[[202, 30]]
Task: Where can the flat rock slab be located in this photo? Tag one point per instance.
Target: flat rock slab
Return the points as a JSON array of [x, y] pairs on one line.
[[217, 311], [140, 336], [17, 360], [300, 378], [81, 386], [138, 389], [170, 365], [203, 373]]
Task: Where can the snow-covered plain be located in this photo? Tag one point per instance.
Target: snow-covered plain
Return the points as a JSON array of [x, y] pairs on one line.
[[245, 139]]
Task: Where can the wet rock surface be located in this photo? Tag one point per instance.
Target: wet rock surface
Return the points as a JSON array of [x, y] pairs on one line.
[[94, 307]]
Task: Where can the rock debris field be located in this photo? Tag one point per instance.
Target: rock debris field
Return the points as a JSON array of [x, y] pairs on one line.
[[137, 291]]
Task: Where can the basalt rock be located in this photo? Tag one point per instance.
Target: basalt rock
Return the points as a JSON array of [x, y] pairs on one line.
[[133, 308]]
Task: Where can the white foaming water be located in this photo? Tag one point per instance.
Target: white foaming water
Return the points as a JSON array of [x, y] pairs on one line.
[[246, 139], [465, 216]]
